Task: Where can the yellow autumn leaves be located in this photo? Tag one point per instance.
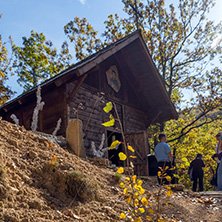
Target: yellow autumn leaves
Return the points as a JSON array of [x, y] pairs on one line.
[[130, 148], [135, 196], [110, 122], [120, 170], [54, 160], [122, 156], [107, 109], [133, 192], [144, 201], [122, 216], [114, 144]]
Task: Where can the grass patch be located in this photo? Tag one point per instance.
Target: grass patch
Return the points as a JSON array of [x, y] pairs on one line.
[[117, 177], [80, 186]]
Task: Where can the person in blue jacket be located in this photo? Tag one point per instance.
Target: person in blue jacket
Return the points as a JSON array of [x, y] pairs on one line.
[[164, 158]]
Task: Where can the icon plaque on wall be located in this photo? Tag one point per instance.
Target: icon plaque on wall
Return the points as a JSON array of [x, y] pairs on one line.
[[113, 78]]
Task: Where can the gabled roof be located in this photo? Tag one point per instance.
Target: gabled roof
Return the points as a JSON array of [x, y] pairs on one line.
[[133, 52]]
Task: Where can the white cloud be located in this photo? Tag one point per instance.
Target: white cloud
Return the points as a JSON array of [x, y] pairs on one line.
[[82, 1]]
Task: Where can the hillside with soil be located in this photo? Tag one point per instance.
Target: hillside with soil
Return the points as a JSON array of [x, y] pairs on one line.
[[42, 181]]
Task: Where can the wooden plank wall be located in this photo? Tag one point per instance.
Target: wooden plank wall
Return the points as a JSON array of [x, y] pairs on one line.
[[91, 114], [23, 112], [133, 118], [52, 110], [139, 142], [27, 113]]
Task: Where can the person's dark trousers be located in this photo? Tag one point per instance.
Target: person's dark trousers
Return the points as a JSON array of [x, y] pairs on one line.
[[217, 167], [162, 165], [197, 177]]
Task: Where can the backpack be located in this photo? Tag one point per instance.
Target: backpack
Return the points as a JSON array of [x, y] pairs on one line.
[[213, 181], [190, 172]]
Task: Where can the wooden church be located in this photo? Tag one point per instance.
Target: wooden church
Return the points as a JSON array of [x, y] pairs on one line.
[[123, 73]]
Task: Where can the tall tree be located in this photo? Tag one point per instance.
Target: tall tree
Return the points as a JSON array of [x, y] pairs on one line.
[[38, 60], [199, 140], [84, 37], [5, 91], [179, 40]]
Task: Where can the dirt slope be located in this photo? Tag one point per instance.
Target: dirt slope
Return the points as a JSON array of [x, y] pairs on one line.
[[40, 181]]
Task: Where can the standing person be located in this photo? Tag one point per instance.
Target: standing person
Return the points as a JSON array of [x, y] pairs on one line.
[[219, 173], [218, 150], [197, 175], [164, 157]]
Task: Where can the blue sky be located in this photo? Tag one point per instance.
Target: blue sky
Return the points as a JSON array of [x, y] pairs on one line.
[[50, 16]]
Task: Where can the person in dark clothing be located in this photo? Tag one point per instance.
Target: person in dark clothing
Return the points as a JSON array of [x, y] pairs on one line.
[[218, 156], [197, 166]]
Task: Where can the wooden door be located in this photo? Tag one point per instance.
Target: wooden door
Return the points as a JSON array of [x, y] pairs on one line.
[[139, 142]]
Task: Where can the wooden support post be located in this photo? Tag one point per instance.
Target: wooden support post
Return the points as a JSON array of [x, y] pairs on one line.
[[75, 90], [154, 119]]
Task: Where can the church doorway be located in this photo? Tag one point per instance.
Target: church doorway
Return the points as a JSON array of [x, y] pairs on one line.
[[113, 154]]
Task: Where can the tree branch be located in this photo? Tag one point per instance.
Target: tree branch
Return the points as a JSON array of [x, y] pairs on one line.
[[191, 128]]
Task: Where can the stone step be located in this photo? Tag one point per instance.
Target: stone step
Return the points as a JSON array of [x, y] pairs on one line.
[[215, 194]]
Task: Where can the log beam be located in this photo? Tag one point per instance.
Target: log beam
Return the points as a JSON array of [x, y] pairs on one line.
[[75, 90]]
